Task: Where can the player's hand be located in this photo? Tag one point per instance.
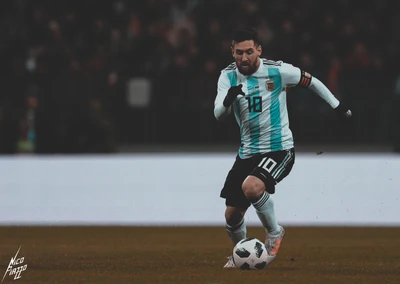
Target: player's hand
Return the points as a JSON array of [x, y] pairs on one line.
[[233, 92], [343, 113]]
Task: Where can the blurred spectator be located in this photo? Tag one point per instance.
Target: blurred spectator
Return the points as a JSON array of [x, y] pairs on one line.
[[8, 129], [27, 125]]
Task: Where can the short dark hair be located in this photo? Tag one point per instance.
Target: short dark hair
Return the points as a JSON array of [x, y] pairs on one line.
[[246, 34]]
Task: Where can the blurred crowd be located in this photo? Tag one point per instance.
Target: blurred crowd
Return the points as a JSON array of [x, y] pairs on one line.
[[65, 66]]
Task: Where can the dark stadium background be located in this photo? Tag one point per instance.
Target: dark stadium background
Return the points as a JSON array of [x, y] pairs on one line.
[[110, 76]]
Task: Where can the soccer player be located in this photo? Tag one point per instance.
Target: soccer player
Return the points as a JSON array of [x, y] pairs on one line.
[[254, 89]]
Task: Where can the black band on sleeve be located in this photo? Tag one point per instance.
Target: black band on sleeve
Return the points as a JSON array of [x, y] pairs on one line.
[[305, 79]]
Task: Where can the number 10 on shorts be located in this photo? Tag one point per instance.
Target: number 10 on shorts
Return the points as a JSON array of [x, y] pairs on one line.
[[267, 164]]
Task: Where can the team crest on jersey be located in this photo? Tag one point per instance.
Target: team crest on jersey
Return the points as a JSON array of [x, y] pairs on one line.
[[270, 85]]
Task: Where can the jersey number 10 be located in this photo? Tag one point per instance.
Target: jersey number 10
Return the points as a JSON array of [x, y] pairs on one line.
[[255, 103]]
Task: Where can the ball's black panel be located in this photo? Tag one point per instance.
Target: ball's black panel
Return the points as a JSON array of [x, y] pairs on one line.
[[245, 266], [242, 252], [246, 240], [260, 265], [258, 249]]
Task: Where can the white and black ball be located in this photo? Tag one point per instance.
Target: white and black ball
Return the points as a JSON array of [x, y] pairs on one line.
[[250, 253]]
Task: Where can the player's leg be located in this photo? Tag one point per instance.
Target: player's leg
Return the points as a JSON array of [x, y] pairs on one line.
[[255, 191], [260, 185], [265, 210], [236, 203], [235, 225]]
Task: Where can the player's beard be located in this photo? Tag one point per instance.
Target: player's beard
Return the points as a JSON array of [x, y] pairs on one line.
[[246, 69]]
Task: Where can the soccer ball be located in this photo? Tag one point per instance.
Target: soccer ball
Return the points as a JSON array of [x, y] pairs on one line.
[[250, 253]]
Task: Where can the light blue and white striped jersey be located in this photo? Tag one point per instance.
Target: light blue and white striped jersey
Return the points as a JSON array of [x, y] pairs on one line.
[[262, 114]]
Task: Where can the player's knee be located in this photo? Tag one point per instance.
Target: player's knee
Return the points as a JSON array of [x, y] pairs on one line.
[[253, 187], [234, 215]]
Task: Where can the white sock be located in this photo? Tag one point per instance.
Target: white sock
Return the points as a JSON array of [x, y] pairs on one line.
[[265, 210], [237, 232]]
